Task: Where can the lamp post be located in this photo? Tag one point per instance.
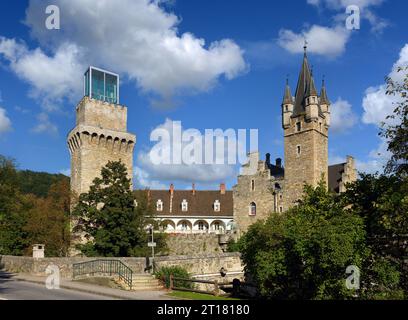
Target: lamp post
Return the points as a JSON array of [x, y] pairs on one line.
[[152, 244]]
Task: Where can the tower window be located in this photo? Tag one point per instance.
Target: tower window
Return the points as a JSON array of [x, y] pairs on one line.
[[298, 150], [298, 126], [280, 209], [252, 209], [252, 185], [320, 124]]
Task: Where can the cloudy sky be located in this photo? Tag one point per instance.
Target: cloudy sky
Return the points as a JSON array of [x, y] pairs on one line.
[[209, 64]]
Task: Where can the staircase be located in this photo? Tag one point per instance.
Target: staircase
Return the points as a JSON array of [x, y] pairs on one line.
[[145, 281]]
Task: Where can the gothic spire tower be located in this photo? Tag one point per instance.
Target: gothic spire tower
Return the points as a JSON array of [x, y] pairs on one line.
[[100, 134], [305, 121]]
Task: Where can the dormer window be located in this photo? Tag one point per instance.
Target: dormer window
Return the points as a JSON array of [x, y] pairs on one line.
[[184, 205], [159, 205], [217, 206]]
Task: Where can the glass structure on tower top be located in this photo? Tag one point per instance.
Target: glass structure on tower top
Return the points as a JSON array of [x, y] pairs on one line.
[[101, 85]]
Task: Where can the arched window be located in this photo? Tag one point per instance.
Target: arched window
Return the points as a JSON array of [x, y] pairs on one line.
[[217, 206], [252, 209], [184, 205], [159, 205], [216, 225]]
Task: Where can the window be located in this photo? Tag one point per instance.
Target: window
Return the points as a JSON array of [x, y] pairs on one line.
[[101, 85], [286, 108], [184, 205], [280, 209], [201, 225], [159, 205], [216, 225], [184, 225], [298, 126], [298, 150], [252, 209], [252, 185], [217, 206], [320, 124]]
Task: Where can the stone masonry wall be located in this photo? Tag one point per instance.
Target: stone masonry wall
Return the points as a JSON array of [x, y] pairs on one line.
[[193, 244], [266, 202], [204, 265], [311, 163]]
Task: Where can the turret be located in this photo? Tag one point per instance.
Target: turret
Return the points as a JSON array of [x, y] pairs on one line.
[[325, 104], [311, 100], [287, 106]]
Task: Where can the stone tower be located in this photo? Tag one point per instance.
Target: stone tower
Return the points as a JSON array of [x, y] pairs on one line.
[[100, 134], [305, 122]]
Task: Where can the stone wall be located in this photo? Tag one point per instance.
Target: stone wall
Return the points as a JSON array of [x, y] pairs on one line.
[[312, 162], [193, 244], [261, 194], [203, 266]]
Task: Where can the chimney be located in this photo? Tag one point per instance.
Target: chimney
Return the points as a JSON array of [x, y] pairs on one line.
[[279, 162], [268, 158], [171, 189], [193, 189], [222, 188]]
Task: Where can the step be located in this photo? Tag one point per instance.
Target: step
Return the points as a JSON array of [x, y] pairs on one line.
[[153, 288]]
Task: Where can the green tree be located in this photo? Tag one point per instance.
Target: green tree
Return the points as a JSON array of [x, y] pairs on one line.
[[13, 207], [48, 220], [108, 216], [304, 253], [396, 133]]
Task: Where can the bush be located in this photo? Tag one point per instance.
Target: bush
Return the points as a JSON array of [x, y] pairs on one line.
[[178, 272]]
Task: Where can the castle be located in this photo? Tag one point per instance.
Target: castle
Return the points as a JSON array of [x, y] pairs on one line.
[[101, 135]]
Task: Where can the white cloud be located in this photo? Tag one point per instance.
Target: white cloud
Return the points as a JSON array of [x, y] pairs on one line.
[[377, 159], [321, 40], [342, 116], [143, 180], [5, 123], [44, 125], [152, 174], [377, 104], [377, 24], [51, 78], [137, 38]]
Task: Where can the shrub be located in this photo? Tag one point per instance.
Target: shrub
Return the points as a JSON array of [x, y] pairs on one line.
[[178, 272]]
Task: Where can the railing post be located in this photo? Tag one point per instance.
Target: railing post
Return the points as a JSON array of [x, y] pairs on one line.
[[171, 285], [216, 288]]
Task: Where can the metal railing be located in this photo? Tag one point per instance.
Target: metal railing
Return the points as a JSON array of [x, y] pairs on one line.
[[104, 266]]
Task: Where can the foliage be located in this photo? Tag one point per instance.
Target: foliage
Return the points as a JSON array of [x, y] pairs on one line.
[[382, 201], [233, 246], [304, 253], [48, 220], [396, 131], [109, 218], [178, 272], [26, 219], [38, 183]]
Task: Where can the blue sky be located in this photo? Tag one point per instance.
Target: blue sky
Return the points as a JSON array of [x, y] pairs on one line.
[[209, 64]]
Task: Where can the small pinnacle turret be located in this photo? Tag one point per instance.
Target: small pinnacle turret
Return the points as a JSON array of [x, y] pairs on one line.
[[287, 98], [323, 94]]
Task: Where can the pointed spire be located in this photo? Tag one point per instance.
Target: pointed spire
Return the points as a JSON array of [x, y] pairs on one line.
[[287, 98], [305, 86], [323, 94]]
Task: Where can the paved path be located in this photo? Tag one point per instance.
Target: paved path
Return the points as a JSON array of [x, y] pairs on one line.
[[23, 287]]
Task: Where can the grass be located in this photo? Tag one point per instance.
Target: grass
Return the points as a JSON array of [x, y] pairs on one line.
[[196, 296]]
